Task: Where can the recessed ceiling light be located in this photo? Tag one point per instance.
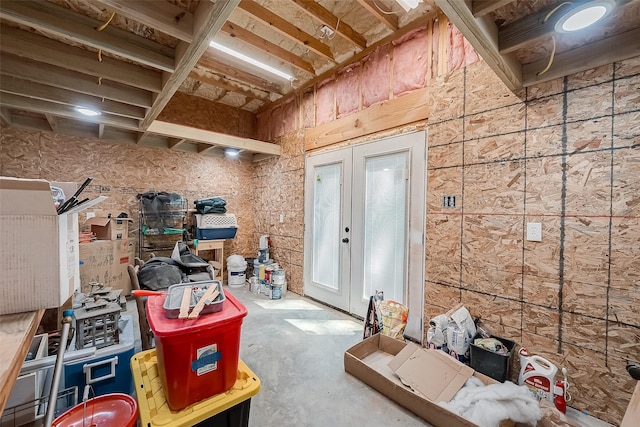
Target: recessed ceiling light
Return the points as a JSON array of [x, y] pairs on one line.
[[250, 60], [231, 152], [87, 111], [583, 15]]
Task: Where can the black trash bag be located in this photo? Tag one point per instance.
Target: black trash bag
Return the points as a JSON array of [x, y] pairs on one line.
[[212, 205], [195, 268], [159, 273]]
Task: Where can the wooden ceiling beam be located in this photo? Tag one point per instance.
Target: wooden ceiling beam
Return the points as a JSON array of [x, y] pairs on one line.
[[484, 7], [285, 28], [208, 19], [210, 137], [59, 110], [163, 16], [202, 148], [53, 124], [30, 122], [482, 33], [272, 49], [51, 75], [606, 51], [208, 61], [175, 142], [62, 96], [42, 49], [100, 130], [526, 30], [381, 12], [5, 116], [210, 78], [323, 15], [78, 28]]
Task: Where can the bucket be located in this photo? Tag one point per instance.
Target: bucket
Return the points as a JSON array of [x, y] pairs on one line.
[[237, 276], [108, 410]]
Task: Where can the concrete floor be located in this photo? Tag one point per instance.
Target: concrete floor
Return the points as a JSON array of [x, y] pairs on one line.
[[296, 347]]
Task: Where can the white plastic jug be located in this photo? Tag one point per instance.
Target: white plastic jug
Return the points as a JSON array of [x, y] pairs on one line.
[[538, 374]]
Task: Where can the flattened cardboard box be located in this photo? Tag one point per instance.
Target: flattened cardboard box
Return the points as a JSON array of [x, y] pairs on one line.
[[106, 261], [39, 251], [372, 362]]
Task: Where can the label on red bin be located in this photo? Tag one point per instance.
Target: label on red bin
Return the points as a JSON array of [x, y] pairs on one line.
[[207, 360]]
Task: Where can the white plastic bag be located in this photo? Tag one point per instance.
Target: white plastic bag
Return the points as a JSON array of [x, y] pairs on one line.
[[460, 332], [437, 333]]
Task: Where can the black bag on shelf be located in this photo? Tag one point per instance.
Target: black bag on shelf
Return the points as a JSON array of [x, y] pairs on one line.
[[159, 208], [212, 205]]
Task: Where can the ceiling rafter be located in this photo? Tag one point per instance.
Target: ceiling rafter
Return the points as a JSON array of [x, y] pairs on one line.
[[323, 15], [203, 148], [526, 30], [208, 61], [53, 124], [76, 27], [164, 16], [381, 12], [272, 49], [54, 76], [605, 51], [175, 142], [30, 122], [484, 7], [286, 28], [210, 78], [5, 116], [100, 130], [60, 110], [482, 33], [208, 19], [63, 96], [43, 49]]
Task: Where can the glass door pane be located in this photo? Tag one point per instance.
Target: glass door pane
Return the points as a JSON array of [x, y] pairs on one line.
[[385, 226], [326, 225]]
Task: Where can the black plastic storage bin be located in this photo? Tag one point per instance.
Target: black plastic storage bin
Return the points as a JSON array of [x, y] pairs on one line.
[[489, 363], [236, 416]]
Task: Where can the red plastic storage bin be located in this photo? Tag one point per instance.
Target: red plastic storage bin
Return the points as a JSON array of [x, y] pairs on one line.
[[197, 358]]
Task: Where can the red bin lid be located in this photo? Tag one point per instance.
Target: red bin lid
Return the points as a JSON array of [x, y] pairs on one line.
[[232, 311]]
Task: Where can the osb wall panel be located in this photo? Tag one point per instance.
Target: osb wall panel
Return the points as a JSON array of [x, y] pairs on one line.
[[278, 185], [201, 113], [566, 154], [121, 172]]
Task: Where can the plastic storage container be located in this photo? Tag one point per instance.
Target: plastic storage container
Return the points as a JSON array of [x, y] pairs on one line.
[[197, 358], [108, 370], [492, 364], [229, 409], [216, 226]]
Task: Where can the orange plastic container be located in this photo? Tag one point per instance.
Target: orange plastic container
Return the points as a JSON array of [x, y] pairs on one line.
[[197, 358]]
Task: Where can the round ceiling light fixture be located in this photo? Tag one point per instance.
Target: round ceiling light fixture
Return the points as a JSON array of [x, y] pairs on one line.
[[88, 111], [583, 15], [231, 152]]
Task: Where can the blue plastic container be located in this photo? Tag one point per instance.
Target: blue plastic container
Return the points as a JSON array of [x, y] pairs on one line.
[[107, 371], [216, 233]]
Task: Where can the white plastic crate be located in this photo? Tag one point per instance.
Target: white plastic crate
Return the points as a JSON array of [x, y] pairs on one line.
[[216, 221]]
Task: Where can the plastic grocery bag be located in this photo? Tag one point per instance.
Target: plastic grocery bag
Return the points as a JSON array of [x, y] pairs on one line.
[[394, 318]]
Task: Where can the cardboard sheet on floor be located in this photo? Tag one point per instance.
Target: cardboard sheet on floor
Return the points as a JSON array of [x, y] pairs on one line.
[[373, 361]]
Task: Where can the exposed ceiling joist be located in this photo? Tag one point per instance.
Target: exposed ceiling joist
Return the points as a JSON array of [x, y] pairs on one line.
[[208, 19], [272, 49], [343, 29], [52, 122], [28, 122], [286, 29], [482, 33], [213, 138], [60, 110], [100, 131], [164, 16], [381, 12], [175, 142], [484, 7], [78, 28], [606, 51], [526, 30], [42, 49], [5, 116], [53, 76], [213, 64], [229, 85], [203, 148], [63, 96]]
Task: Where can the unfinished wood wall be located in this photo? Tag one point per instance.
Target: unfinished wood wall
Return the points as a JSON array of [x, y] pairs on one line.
[[564, 153], [121, 171]]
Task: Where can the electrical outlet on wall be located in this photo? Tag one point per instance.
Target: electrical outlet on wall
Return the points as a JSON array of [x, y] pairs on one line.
[[534, 232]]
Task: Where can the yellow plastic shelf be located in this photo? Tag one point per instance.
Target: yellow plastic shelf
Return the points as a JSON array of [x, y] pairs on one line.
[[152, 403]]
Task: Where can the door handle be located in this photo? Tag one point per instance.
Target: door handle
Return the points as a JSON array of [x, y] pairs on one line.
[[345, 240]]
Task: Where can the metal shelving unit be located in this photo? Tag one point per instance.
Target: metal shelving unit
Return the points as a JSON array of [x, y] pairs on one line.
[[158, 228]]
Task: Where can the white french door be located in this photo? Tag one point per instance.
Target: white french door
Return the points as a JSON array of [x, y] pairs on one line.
[[364, 225]]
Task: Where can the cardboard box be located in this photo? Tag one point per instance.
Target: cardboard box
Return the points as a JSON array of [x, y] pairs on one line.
[[39, 252], [109, 228], [106, 261], [432, 372]]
